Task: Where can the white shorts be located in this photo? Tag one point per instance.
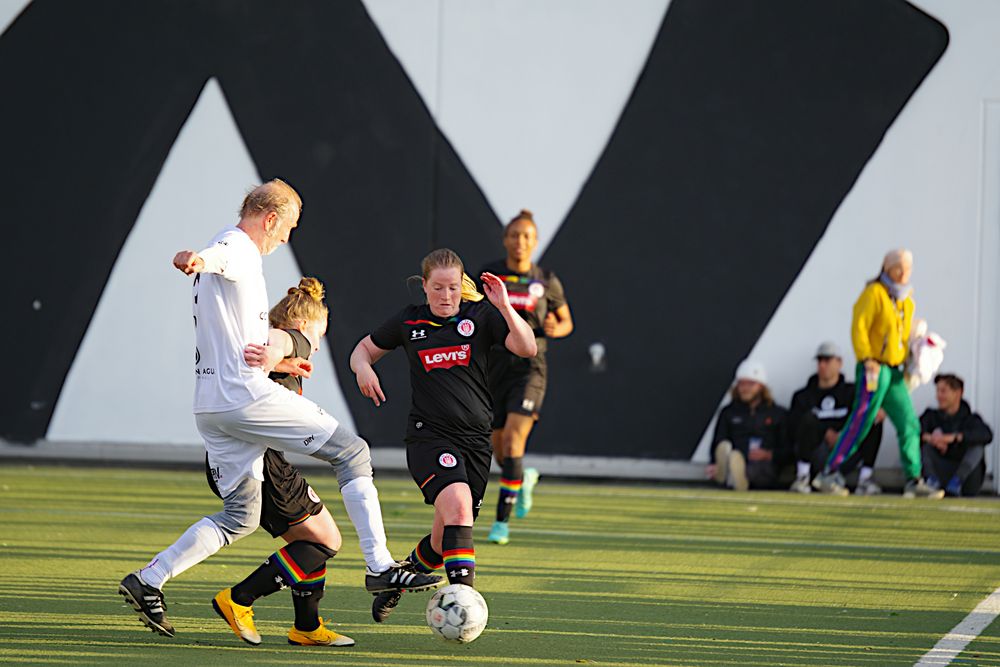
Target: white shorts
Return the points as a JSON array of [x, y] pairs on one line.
[[236, 440]]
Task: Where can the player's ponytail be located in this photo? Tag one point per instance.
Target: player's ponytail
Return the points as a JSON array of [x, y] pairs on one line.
[[443, 258], [304, 302], [469, 290]]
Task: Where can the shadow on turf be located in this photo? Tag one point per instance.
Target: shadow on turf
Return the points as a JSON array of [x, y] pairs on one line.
[[543, 628]]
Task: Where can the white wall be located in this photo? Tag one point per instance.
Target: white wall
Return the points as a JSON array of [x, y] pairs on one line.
[[132, 379], [923, 189], [528, 93]]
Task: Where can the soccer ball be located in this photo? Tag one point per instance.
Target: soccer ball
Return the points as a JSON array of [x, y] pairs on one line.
[[457, 613]]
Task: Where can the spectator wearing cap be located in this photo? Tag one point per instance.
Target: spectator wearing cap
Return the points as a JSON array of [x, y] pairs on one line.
[[880, 332], [816, 416], [750, 440], [953, 439]]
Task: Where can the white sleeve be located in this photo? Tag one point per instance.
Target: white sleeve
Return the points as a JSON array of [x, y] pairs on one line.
[[223, 260]]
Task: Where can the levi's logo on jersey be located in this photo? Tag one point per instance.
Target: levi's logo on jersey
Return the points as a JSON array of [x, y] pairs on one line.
[[446, 357], [522, 301]]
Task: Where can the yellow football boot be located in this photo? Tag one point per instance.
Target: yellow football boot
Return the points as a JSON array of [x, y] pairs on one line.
[[239, 618], [321, 636]]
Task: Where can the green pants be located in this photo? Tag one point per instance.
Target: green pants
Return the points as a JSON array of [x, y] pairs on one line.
[[892, 396]]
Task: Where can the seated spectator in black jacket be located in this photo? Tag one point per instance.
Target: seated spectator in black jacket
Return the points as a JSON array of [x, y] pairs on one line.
[[750, 440], [953, 439], [817, 414]]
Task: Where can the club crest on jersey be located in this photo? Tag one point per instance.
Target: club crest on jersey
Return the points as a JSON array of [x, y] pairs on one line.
[[536, 290], [418, 334], [446, 357], [466, 328], [313, 496], [447, 460]]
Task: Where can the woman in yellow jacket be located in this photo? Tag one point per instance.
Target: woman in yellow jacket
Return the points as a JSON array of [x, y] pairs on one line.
[[880, 331]]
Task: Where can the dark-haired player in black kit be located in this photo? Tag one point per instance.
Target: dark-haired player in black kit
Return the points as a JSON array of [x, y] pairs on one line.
[[518, 385], [447, 343]]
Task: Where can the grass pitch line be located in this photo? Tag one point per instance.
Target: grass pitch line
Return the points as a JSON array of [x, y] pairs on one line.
[[953, 643]]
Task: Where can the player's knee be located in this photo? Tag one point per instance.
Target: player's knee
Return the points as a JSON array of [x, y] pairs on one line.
[[241, 510], [453, 506], [349, 455]]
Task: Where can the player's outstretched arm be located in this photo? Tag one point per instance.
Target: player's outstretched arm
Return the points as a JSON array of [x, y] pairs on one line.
[[188, 262], [364, 356], [521, 339]]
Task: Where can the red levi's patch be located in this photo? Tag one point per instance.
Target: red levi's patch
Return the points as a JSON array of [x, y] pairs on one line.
[[446, 357], [522, 301]]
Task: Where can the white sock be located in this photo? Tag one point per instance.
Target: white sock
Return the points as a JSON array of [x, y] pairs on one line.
[[197, 543], [361, 501], [802, 468], [865, 474]]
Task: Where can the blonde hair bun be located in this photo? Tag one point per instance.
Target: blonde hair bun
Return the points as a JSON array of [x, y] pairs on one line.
[[304, 302], [311, 287]]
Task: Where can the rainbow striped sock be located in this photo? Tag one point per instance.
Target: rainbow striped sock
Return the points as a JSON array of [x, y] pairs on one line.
[[459, 555], [511, 476], [424, 558], [292, 573]]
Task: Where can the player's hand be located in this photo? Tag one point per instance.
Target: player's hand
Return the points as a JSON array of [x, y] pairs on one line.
[[265, 357], [760, 454], [495, 290], [188, 262], [550, 324], [831, 436], [369, 385], [880, 416], [295, 366]]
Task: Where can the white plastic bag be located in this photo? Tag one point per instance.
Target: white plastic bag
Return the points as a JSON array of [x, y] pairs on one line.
[[925, 357]]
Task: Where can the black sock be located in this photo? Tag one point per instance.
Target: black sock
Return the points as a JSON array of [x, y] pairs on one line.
[[511, 476], [305, 598], [285, 567], [424, 558], [459, 555]]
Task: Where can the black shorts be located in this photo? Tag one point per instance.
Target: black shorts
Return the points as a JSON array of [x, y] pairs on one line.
[[518, 387], [434, 463], [287, 497]]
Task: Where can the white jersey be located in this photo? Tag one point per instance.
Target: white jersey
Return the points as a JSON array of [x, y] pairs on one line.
[[230, 311]]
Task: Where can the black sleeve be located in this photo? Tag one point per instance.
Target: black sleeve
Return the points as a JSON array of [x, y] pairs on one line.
[[721, 429], [976, 432], [555, 294], [783, 444], [927, 421], [496, 325], [796, 412], [389, 335]]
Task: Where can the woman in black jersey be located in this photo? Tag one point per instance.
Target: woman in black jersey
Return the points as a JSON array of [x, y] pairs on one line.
[[447, 343], [518, 385]]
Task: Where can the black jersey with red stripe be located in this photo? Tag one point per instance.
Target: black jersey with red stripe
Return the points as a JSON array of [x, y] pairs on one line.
[[534, 295], [448, 360]]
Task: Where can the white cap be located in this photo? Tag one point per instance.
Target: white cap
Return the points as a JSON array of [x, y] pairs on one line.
[[828, 349], [751, 369]]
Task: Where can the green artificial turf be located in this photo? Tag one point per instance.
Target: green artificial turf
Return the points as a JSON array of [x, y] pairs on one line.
[[598, 574]]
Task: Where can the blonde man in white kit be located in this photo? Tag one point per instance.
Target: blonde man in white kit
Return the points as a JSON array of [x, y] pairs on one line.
[[240, 413]]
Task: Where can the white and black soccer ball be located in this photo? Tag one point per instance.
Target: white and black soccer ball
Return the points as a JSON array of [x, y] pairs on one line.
[[457, 613]]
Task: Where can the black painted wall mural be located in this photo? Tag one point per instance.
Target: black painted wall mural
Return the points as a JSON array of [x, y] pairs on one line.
[[747, 128]]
